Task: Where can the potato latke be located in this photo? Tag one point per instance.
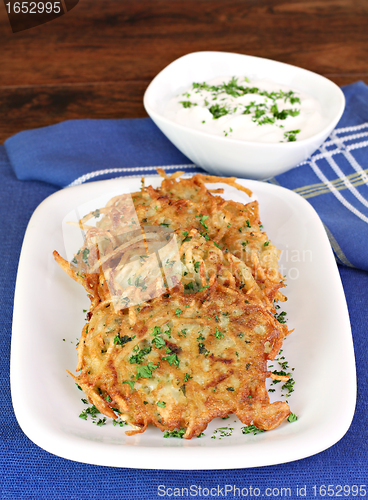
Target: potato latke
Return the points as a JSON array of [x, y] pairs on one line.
[[183, 286]]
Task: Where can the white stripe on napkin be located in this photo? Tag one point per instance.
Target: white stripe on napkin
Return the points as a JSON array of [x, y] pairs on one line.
[[339, 142], [335, 192], [97, 173], [344, 179], [350, 158], [332, 152], [352, 128]]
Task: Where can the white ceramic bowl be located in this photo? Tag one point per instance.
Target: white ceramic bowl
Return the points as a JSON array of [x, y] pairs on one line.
[[223, 155]]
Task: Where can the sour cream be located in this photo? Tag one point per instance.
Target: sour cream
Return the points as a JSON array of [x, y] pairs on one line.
[[237, 108]]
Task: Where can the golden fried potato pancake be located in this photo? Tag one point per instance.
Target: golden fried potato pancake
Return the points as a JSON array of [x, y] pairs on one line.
[[182, 322]]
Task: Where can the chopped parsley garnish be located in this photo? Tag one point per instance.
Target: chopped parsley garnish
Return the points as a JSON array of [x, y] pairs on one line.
[[161, 404], [121, 340], [217, 111], [85, 256], [205, 235], [137, 283], [130, 383], [172, 359], [281, 373], [292, 418], [202, 349], [188, 104], [251, 429], [158, 342], [156, 330], [218, 334], [273, 110], [282, 115], [145, 371], [197, 266], [168, 331], [289, 386], [202, 221], [121, 423], [175, 433], [223, 432], [137, 358], [290, 136], [281, 317], [92, 411]]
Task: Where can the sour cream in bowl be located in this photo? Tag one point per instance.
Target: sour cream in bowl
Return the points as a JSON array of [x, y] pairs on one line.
[[240, 115]]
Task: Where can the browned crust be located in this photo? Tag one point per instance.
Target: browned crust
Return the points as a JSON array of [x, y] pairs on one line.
[[151, 364]]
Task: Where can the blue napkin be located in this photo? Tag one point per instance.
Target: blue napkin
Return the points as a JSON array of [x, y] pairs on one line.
[[334, 179], [30, 473], [77, 151]]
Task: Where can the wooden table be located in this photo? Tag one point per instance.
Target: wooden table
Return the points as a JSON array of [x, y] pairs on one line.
[[97, 60]]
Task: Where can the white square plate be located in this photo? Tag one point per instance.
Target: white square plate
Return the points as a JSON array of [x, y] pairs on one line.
[[49, 308]]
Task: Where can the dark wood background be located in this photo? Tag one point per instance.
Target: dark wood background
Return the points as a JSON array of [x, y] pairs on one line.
[[97, 60]]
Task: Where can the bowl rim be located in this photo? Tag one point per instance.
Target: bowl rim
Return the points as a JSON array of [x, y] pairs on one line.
[[228, 140]]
